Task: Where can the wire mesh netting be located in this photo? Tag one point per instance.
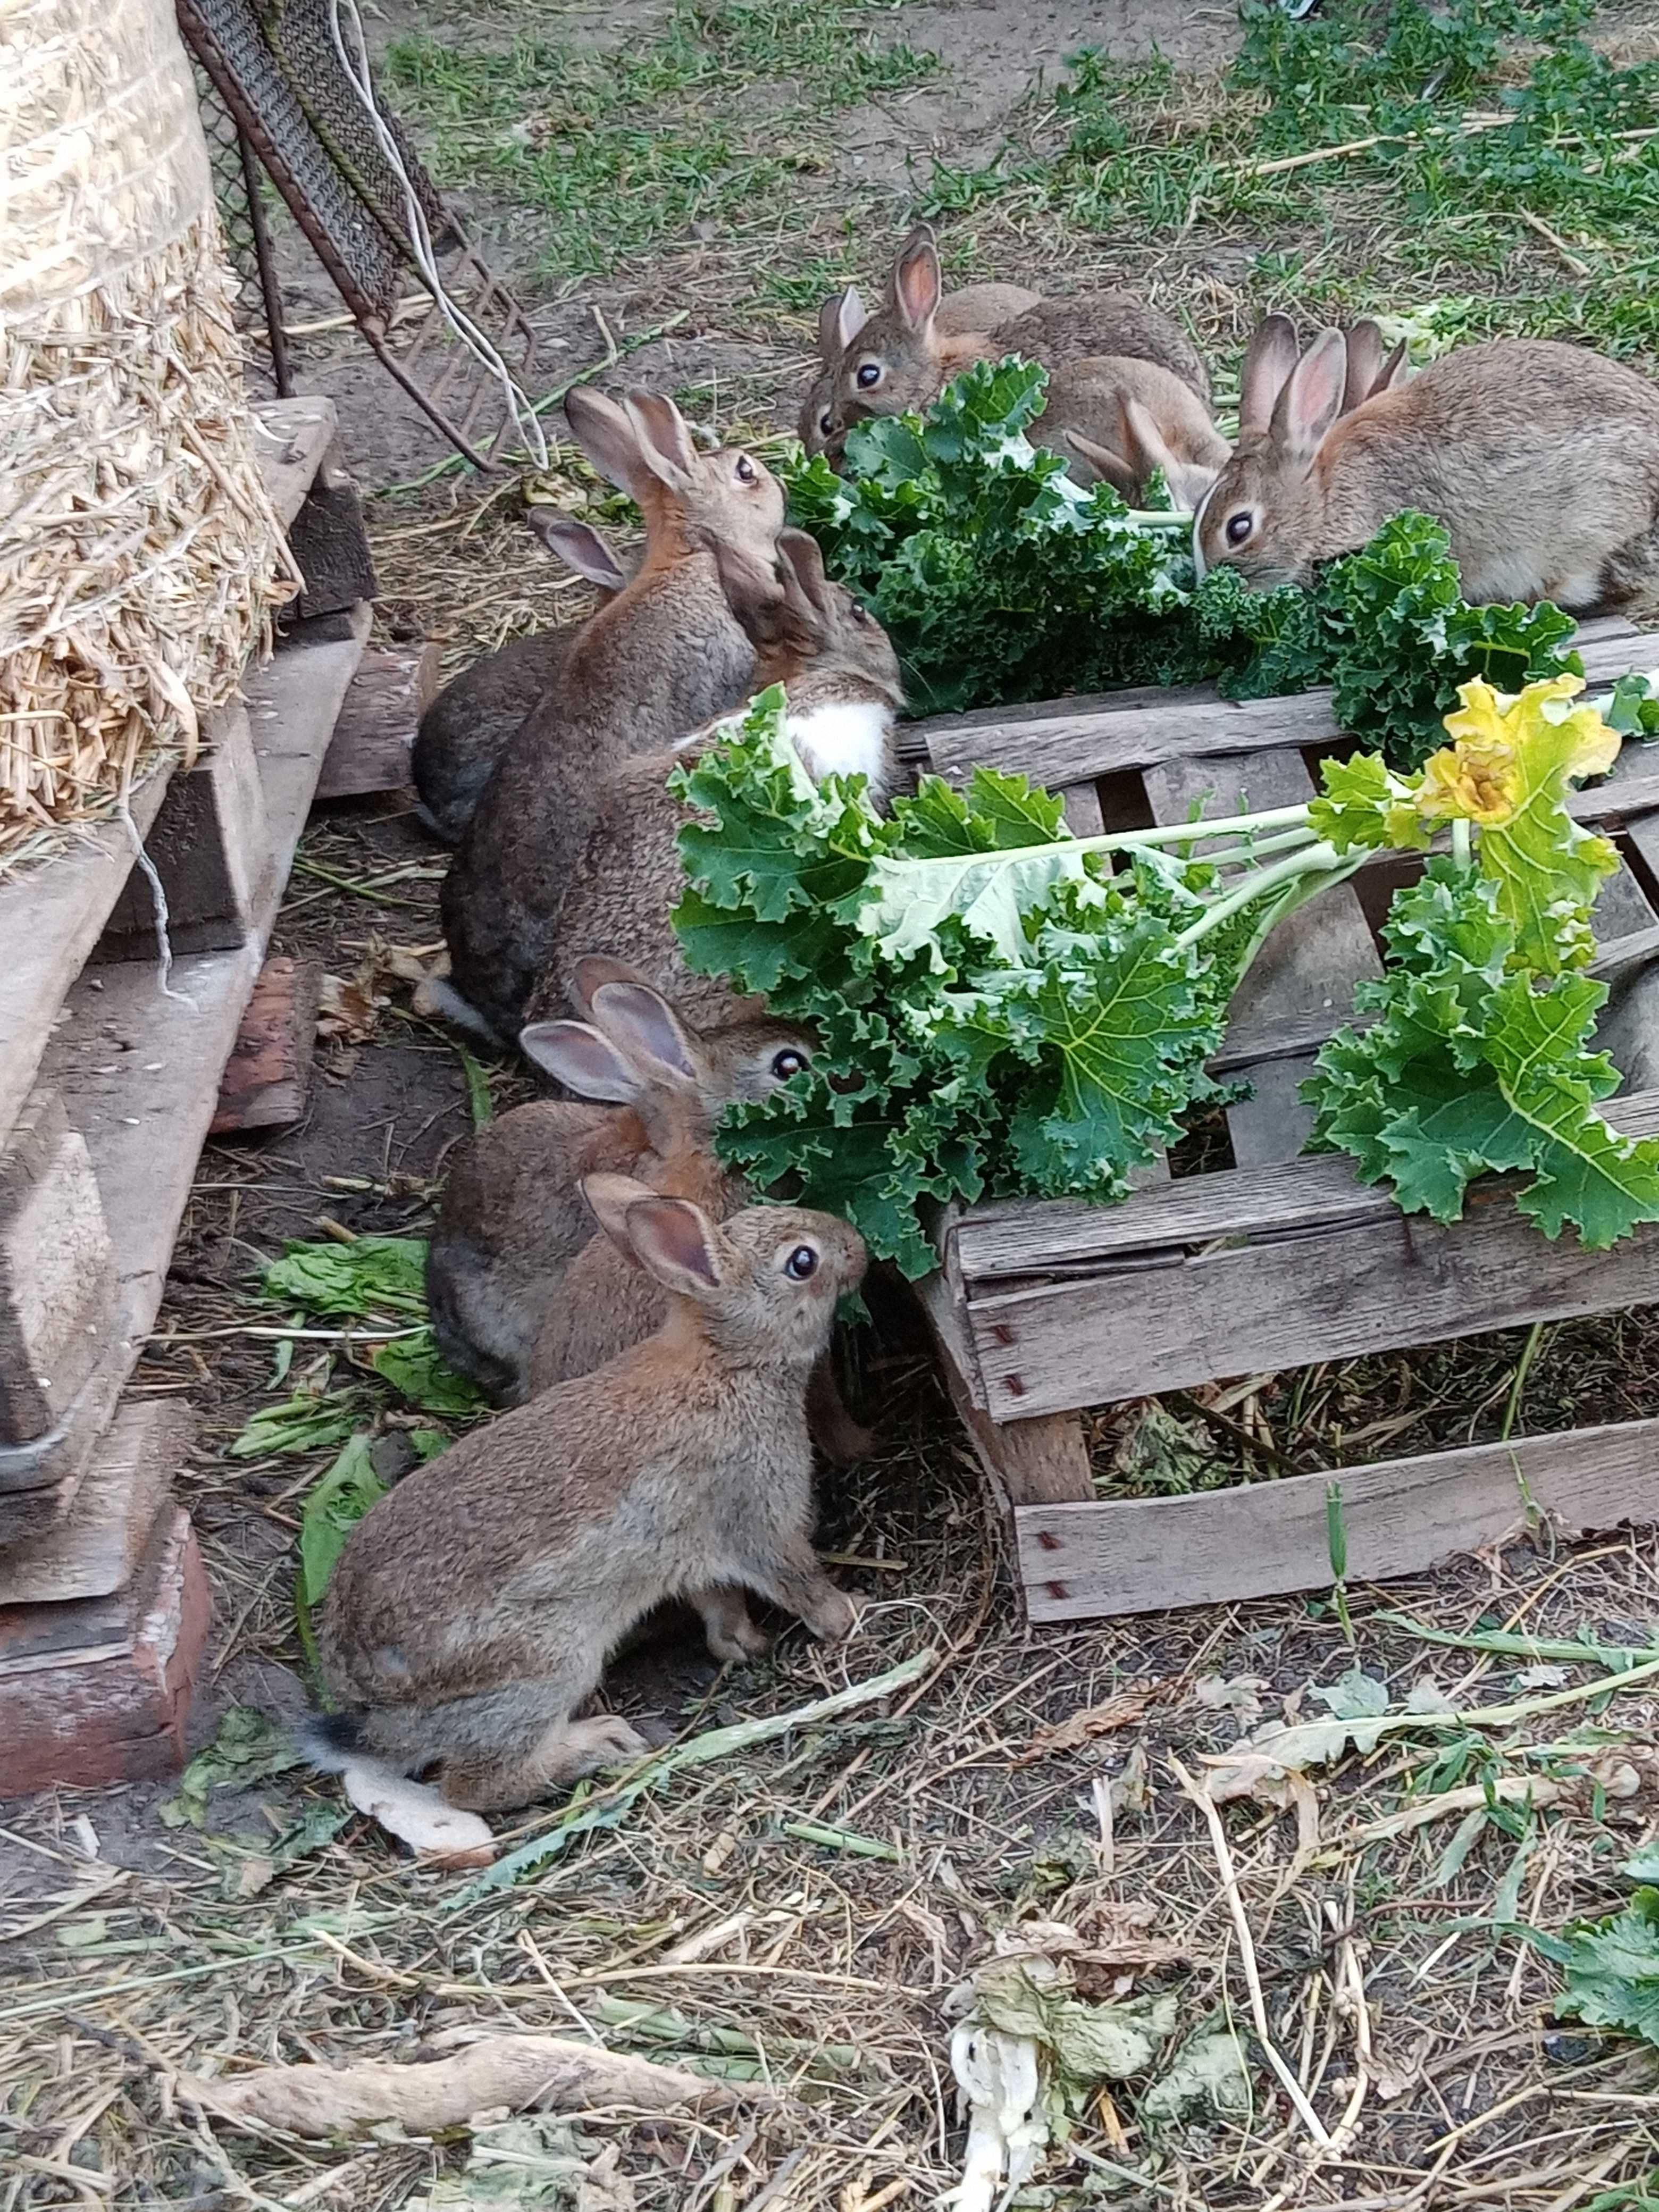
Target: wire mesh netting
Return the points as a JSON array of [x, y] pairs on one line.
[[224, 147], [278, 84]]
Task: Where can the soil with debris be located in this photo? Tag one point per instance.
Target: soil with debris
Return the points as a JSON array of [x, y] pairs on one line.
[[810, 1915]]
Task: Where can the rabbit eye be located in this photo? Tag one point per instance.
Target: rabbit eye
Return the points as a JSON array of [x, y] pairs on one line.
[[826, 423], [1239, 527], [855, 609], [788, 1062], [802, 1262], [745, 469], [869, 374]]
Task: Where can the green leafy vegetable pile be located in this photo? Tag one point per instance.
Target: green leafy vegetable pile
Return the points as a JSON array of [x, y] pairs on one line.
[[999, 579], [1004, 1009]]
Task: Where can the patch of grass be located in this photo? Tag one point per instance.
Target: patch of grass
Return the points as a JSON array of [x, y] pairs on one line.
[[715, 119], [1485, 150]]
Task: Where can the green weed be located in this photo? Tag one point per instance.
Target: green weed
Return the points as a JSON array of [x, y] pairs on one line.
[[715, 120]]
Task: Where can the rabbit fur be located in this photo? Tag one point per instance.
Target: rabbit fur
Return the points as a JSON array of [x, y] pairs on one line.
[[899, 362], [472, 1609], [662, 658], [1541, 458], [469, 726], [513, 1219], [845, 696], [843, 316]]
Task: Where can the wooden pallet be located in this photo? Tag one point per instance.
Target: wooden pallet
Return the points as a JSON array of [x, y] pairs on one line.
[[1041, 1308], [109, 1079]]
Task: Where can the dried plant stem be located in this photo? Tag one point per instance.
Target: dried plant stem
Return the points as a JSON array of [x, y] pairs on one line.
[[1224, 1859]]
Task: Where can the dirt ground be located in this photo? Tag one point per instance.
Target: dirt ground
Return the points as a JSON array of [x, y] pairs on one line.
[[799, 1916]]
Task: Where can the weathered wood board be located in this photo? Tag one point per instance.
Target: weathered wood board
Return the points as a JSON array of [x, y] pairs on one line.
[[1043, 1308]]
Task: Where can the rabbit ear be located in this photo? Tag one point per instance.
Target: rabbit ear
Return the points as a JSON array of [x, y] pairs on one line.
[[609, 440], [1312, 399], [594, 969], [840, 318], [641, 1023], [1143, 440], [1267, 366], [1394, 371], [755, 594], [916, 281], [803, 561], [609, 1197], [677, 1243], [1364, 346], [666, 446], [583, 1060], [1110, 466], [578, 545]]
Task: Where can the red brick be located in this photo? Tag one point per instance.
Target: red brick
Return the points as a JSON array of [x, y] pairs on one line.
[[98, 1691]]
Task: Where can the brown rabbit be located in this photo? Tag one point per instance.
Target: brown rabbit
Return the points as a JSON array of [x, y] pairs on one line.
[[845, 698], [1541, 460], [899, 362], [975, 308], [1123, 419], [468, 726], [664, 655], [1371, 367], [513, 1219], [471, 1610]]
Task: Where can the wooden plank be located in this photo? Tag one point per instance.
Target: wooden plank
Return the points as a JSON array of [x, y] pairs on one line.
[[139, 1068], [210, 847], [1629, 1025], [57, 1269], [1066, 741], [291, 438], [96, 1547], [268, 1076], [1026, 1237], [114, 1705], [1309, 966], [1083, 816], [391, 691], [1025, 1463], [1244, 1308], [329, 545], [1085, 1562], [52, 915]]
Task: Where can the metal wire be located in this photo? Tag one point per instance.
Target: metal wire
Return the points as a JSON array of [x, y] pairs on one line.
[[276, 87]]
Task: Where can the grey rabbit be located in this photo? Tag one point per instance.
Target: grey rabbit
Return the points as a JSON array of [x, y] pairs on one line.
[[469, 726], [472, 1611], [662, 658], [512, 1217]]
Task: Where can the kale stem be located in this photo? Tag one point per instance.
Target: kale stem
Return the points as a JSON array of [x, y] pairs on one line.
[[1322, 858], [1181, 833], [1460, 844]]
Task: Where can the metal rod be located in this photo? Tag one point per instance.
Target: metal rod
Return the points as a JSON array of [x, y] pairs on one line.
[[268, 286]]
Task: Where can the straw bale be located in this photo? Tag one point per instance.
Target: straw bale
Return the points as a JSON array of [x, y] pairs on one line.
[[140, 557]]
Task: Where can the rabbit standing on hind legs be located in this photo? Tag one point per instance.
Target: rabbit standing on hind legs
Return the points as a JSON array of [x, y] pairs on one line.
[[1541, 460], [472, 1609], [662, 658]]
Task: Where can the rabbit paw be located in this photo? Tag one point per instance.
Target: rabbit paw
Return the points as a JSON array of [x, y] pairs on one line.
[[834, 1617], [732, 1642], [606, 1740]]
